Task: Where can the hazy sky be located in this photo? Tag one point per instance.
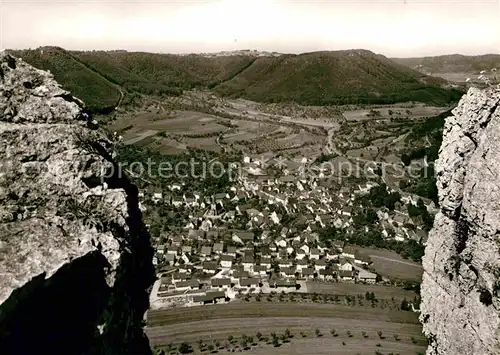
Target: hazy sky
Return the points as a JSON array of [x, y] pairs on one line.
[[390, 27]]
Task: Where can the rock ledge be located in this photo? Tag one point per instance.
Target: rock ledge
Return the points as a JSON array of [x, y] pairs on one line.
[[461, 282], [75, 255]]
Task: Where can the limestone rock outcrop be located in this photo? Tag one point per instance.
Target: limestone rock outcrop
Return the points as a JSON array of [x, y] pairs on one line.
[[75, 256], [461, 281]]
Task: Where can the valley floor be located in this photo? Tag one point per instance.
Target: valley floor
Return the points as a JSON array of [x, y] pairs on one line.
[[310, 325]]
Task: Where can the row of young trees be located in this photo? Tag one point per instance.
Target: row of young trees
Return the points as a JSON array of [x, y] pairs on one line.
[[274, 338]]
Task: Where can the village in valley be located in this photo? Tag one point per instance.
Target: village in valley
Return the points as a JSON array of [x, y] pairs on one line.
[[277, 224], [274, 229], [208, 177]]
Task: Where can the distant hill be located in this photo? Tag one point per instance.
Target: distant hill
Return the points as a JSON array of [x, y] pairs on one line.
[[243, 52], [153, 73], [341, 77], [318, 78], [454, 63]]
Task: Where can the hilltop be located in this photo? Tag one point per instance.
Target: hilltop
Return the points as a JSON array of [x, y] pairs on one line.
[[246, 52], [318, 78], [454, 63], [341, 77]]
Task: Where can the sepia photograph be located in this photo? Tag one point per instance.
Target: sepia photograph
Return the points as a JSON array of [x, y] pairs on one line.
[[289, 177]]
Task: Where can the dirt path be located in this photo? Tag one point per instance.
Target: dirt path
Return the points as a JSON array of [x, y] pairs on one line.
[[221, 134], [118, 87], [397, 139], [396, 261], [142, 136]]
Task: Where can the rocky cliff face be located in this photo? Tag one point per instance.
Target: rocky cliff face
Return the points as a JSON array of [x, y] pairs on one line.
[[461, 283], [75, 257]]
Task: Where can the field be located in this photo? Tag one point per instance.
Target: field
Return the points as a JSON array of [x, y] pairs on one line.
[[331, 346], [392, 265], [174, 131], [234, 125], [410, 111], [381, 292], [213, 331], [217, 322]]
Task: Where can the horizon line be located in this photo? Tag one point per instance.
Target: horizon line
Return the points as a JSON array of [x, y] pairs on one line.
[[252, 50]]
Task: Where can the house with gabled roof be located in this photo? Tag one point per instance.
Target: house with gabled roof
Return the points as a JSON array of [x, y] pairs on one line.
[[260, 270], [223, 283], [280, 243], [160, 249], [366, 276], [195, 234], [347, 211], [218, 248], [177, 240], [287, 272], [191, 202], [209, 267], [226, 261], [301, 264], [345, 275], [187, 285], [344, 265], [172, 250], [326, 274], [332, 254], [237, 274], [202, 299], [265, 261], [240, 209], [307, 273], [284, 263], [258, 221], [249, 282], [186, 268], [248, 262], [314, 254], [187, 249], [206, 251], [221, 196], [320, 264], [300, 254], [241, 195], [180, 276], [243, 236], [170, 259], [287, 179], [252, 212], [231, 250], [157, 197], [312, 237], [265, 180], [177, 201], [305, 248], [217, 296], [263, 250]]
